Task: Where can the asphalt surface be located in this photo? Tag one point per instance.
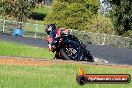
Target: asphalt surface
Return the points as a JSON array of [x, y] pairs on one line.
[[36, 42], [111, 54]]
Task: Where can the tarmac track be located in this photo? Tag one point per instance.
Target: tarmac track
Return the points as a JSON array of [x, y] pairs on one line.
[[106, 54]]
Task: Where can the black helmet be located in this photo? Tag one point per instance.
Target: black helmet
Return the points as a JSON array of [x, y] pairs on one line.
[[50, 27]]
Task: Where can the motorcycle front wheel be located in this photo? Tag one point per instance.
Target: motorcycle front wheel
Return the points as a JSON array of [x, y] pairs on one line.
[[64, 54]]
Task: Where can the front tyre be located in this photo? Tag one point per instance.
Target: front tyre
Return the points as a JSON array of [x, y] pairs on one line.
[[64, 55]]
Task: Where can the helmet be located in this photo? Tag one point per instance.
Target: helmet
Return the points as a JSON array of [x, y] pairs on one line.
[[50, 27]]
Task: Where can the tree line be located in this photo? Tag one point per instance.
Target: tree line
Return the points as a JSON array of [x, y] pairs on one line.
[[79, 14]]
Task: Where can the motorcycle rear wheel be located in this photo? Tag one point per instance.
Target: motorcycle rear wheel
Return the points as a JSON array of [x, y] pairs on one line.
[[89, 58]]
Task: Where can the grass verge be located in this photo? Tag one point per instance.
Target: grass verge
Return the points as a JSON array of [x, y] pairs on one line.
[[20, 50], [54, 76]]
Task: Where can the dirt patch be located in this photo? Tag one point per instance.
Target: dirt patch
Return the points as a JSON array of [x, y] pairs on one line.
[[24, 62], [47, 62]]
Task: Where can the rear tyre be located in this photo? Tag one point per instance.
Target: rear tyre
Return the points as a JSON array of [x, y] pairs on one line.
[[90, 58]]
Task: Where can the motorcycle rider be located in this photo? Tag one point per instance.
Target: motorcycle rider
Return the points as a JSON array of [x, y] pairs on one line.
[[53, 34]]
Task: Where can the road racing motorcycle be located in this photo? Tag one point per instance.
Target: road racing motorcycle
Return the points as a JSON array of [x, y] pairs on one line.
[[68, 47]]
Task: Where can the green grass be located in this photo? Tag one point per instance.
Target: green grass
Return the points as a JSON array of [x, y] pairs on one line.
[[43, 10], [14, 49], [54, 76]]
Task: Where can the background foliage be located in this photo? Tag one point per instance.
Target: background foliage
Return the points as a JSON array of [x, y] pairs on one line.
[[74, 14], [86, 15], [20, 9], [121, 15]]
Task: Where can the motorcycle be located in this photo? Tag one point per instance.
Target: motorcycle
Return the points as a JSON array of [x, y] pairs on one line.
[[68, 47]]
